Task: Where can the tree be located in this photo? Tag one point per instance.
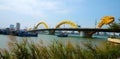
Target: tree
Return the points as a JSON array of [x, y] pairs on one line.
[[115, 25]]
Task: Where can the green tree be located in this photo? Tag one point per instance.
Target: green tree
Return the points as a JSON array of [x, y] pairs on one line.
[[115, 25]]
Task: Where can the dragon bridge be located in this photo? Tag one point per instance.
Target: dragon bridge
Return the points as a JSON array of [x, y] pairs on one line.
[[104, 21]]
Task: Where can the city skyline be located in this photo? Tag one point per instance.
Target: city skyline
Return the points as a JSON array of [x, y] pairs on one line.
[[29, 12]]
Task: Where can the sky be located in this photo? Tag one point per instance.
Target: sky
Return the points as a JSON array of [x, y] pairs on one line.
[[82, 12]]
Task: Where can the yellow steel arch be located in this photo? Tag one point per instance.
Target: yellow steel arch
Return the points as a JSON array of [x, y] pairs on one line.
[[45, 25], [66, 22]]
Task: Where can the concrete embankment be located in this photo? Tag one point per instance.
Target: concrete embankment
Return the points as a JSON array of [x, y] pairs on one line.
[[114, 40]]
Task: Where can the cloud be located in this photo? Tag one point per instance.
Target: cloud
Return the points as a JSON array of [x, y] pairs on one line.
[[32, 7]]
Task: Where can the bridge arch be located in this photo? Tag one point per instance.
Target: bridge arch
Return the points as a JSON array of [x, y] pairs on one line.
[[44, 24], [66, 22]]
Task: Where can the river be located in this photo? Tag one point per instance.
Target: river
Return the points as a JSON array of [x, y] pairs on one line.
[[46, 39]]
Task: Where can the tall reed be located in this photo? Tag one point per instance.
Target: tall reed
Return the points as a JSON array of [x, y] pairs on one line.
[[58, 50]]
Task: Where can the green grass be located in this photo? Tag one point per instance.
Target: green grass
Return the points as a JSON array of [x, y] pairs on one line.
[[58, 50]]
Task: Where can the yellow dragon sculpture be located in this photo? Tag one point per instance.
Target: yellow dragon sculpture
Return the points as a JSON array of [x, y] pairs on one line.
[[104, 21]]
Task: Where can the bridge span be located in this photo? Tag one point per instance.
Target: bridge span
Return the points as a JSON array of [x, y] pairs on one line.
[[84, 32], [79, 29]]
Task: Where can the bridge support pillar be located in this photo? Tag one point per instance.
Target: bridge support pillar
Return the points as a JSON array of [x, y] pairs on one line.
[[82, 34], [51, 32], [85, 34]]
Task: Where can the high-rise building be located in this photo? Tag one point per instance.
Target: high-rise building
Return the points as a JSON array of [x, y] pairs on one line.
[[17, 26], [11, 26]]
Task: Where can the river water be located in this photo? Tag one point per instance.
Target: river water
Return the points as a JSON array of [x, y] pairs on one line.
[[46, 39]]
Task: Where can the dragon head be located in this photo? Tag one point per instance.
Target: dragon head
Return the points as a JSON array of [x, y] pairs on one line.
[[106, 20]]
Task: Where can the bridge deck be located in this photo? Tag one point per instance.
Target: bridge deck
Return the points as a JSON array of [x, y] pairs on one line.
[[79, 29]]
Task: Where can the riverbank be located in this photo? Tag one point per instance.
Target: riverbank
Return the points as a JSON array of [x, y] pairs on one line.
[[58, 50]]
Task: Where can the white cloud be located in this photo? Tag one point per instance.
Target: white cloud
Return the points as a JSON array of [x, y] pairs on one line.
[[32, 7]]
